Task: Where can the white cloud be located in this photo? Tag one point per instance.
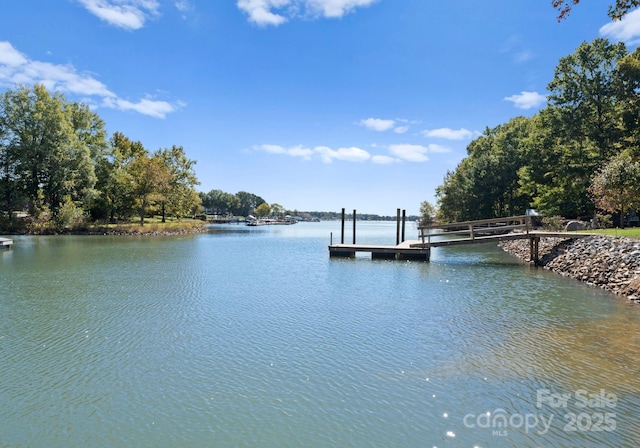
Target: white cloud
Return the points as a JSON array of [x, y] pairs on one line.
[[449, 134], [399, 153], [183, 6], [352, 154], [17, 68], [273, 149], [384, 160], [410, 153], [378, 124], [336, 8], [296, 151], [127, 14], [433, 148], [326, 154], [382, 125], [401, 129], [276, 12], [527, 100], [626, 30], [11, 57], [156, 109]]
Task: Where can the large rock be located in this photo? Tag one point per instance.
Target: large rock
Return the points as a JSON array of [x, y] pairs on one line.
[[574, 225]]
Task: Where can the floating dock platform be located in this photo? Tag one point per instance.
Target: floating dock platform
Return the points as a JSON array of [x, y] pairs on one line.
[[5, 243], [402, 251]]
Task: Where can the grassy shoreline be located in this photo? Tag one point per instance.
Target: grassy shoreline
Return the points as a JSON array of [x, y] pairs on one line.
[[629, 232], [152, 226]]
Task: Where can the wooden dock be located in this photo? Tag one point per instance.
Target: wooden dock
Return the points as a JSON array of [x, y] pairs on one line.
[[402, 251], [454, 234], [5, 243]]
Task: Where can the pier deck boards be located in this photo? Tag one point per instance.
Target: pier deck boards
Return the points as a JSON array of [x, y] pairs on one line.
[[5, 243]]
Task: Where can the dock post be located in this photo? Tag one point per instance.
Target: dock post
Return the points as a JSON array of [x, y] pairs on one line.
[[536, 259], [404, 220], [342, 232], [398, 227], [354, 226]]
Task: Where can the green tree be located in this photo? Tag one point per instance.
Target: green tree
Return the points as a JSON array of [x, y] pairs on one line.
[[263, 210], [583, 94], [485, 184], [180, 196], [628, 99], [616, 187], [247, 203], [578, 132], [9, 192], [48, 146], [220, 202], [278, 210], [115, 178], [150, 179], [427, 213]]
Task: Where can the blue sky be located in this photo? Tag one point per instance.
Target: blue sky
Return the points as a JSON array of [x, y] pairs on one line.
[[312, 104]]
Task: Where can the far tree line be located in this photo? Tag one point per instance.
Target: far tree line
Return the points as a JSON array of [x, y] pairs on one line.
[[577, 157]]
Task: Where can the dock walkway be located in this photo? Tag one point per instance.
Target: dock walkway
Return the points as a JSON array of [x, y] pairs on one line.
[[455, 234], [5, 243]]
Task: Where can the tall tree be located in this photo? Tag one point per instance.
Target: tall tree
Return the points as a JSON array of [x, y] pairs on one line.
[[485, 184], [9, 196], [150, 179], [52, 160], [583, 92], [628, 94], [220, 202], [248, 203], [180, 195], [115, 178], [427, 213]]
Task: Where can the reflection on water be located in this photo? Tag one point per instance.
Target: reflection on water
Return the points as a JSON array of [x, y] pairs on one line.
[[254, 337]]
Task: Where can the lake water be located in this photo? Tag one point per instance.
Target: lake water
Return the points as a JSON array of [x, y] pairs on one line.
[[253, 337]]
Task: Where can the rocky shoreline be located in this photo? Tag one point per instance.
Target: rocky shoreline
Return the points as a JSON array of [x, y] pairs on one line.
[[611, 263]]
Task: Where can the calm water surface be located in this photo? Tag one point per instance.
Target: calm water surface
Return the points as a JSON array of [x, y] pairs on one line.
[[253, 337]]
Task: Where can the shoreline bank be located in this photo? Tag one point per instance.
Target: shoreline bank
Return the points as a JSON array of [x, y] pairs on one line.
[[610, 263], [150, 229]]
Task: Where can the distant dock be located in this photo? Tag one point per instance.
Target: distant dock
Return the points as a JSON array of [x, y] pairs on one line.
[[5, 243]]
